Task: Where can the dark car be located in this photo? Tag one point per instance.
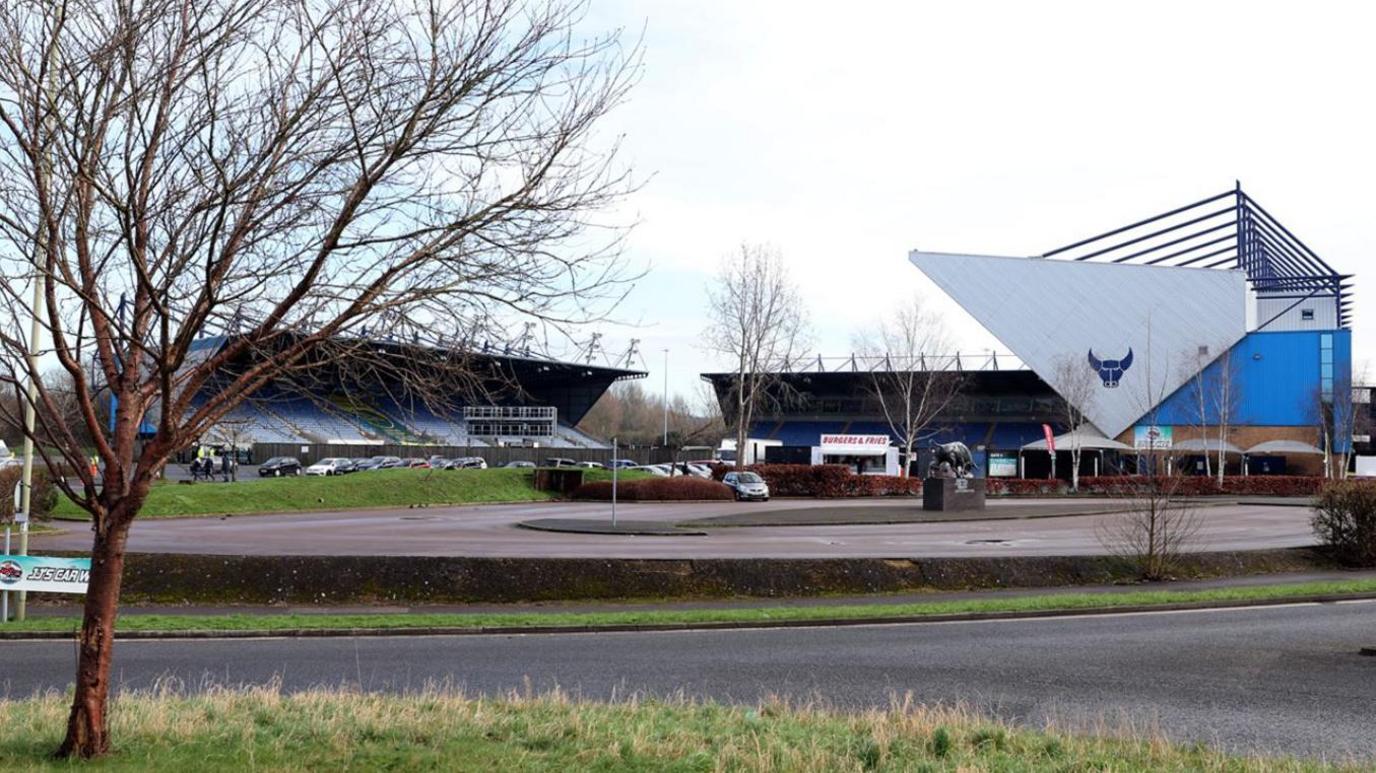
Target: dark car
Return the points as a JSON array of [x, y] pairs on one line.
[[392, 463], [373, 463], [278, 466], [346, 466]]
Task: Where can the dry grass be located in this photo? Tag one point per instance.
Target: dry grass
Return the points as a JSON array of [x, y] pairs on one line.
[[439, 729]]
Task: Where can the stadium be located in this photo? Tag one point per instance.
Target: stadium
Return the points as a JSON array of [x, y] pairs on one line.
[[507, 400], [1209, 327]]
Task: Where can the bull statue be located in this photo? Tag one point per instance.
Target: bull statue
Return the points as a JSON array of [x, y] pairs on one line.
[[951, 460]]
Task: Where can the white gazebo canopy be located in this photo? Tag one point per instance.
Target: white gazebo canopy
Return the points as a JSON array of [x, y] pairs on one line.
[[1210, 445], [1088, 440], [1283, 447]]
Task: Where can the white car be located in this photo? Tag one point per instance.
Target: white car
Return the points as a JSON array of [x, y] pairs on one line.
[[326, 466], [592, 465], [654, 469]]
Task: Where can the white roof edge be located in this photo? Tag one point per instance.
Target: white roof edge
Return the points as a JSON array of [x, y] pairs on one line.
[[914, 254]]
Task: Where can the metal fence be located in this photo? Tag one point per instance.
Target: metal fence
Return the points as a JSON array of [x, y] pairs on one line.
[[310, 453]]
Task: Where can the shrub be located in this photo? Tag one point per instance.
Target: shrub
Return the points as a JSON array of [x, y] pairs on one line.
[[826, 481], [656, 490], [1203, 485], [1018, 487], [44, 492], [1345, 521]]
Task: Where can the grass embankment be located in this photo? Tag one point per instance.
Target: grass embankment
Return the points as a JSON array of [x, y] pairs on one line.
[[537, 619], [439, 730], [382, 488]]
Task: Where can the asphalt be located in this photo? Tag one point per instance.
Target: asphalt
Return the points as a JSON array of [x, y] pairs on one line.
[[491, 531], [1279, 680]]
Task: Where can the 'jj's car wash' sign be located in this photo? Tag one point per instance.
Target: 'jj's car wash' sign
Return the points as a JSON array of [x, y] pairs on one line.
[[838, 445], [44, 574]]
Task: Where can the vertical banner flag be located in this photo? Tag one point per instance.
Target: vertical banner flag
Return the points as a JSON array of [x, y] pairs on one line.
[[1050, 438]]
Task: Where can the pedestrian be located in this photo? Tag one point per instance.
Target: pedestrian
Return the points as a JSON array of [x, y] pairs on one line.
[[224, 467]]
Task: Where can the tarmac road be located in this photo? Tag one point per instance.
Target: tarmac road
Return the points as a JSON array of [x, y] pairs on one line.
[[490, 530], [1270, 680]]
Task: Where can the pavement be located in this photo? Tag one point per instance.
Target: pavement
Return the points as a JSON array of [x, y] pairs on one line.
[[1277, 680], [491, 531]]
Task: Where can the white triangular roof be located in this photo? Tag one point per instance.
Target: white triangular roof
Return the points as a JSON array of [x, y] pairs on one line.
[[1049, 310]]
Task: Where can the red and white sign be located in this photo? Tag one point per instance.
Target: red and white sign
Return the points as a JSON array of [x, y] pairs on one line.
[[854, 444]]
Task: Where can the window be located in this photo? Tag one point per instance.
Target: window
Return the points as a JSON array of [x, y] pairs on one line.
[[1326, 366], [1307, 315]]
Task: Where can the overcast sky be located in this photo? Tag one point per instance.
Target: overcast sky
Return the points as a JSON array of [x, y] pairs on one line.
[[848, 135]]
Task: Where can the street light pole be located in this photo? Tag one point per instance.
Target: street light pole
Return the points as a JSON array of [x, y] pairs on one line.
[[666, 398]]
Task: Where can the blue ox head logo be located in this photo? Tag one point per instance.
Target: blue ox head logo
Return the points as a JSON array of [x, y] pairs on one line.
[[1110, 370]]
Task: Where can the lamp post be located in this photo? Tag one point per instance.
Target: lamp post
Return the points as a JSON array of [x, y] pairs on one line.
[[666, 398]]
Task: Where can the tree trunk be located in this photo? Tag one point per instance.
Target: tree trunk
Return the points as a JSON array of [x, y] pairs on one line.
[[88, 723], [1075, 469]]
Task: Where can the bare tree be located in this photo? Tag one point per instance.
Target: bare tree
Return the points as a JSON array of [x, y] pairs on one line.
[[1194, 364], [309, 176], [1157, 525], [758, 321], [910, 373], [1226, 395], [1077, 385]]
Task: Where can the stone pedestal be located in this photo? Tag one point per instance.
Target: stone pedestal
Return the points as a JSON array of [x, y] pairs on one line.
[[953, 495]]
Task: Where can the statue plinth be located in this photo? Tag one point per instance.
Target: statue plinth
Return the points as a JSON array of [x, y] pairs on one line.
[[953, 495]]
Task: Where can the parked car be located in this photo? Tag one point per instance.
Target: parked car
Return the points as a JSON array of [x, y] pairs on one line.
[[278, 466], [468, 463], [330, 466], [519, 464], [592, 465], [375, 463], [747, 485], [559, 461], [392, 463], [620, 464], [658, 471], [346, 466], [417, 463]]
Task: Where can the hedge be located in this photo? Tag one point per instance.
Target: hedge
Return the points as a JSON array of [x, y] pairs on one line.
[[656, 490], [828, 481], [1199, 485]]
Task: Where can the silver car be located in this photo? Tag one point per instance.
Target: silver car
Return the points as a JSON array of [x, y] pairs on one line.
[[747, 485]]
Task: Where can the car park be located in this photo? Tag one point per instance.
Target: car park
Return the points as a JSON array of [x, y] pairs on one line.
[[278, 466], [519, 464], [328, 466], [747, 485]]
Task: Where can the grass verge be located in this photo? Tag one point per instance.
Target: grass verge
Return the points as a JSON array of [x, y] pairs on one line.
[[441, 730], [669, 617], [382, 488]]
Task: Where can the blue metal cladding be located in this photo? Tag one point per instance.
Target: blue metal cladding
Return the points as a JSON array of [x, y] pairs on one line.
[[1279, 376]]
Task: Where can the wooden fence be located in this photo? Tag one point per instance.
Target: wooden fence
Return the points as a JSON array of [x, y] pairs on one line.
[[309, 453]]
